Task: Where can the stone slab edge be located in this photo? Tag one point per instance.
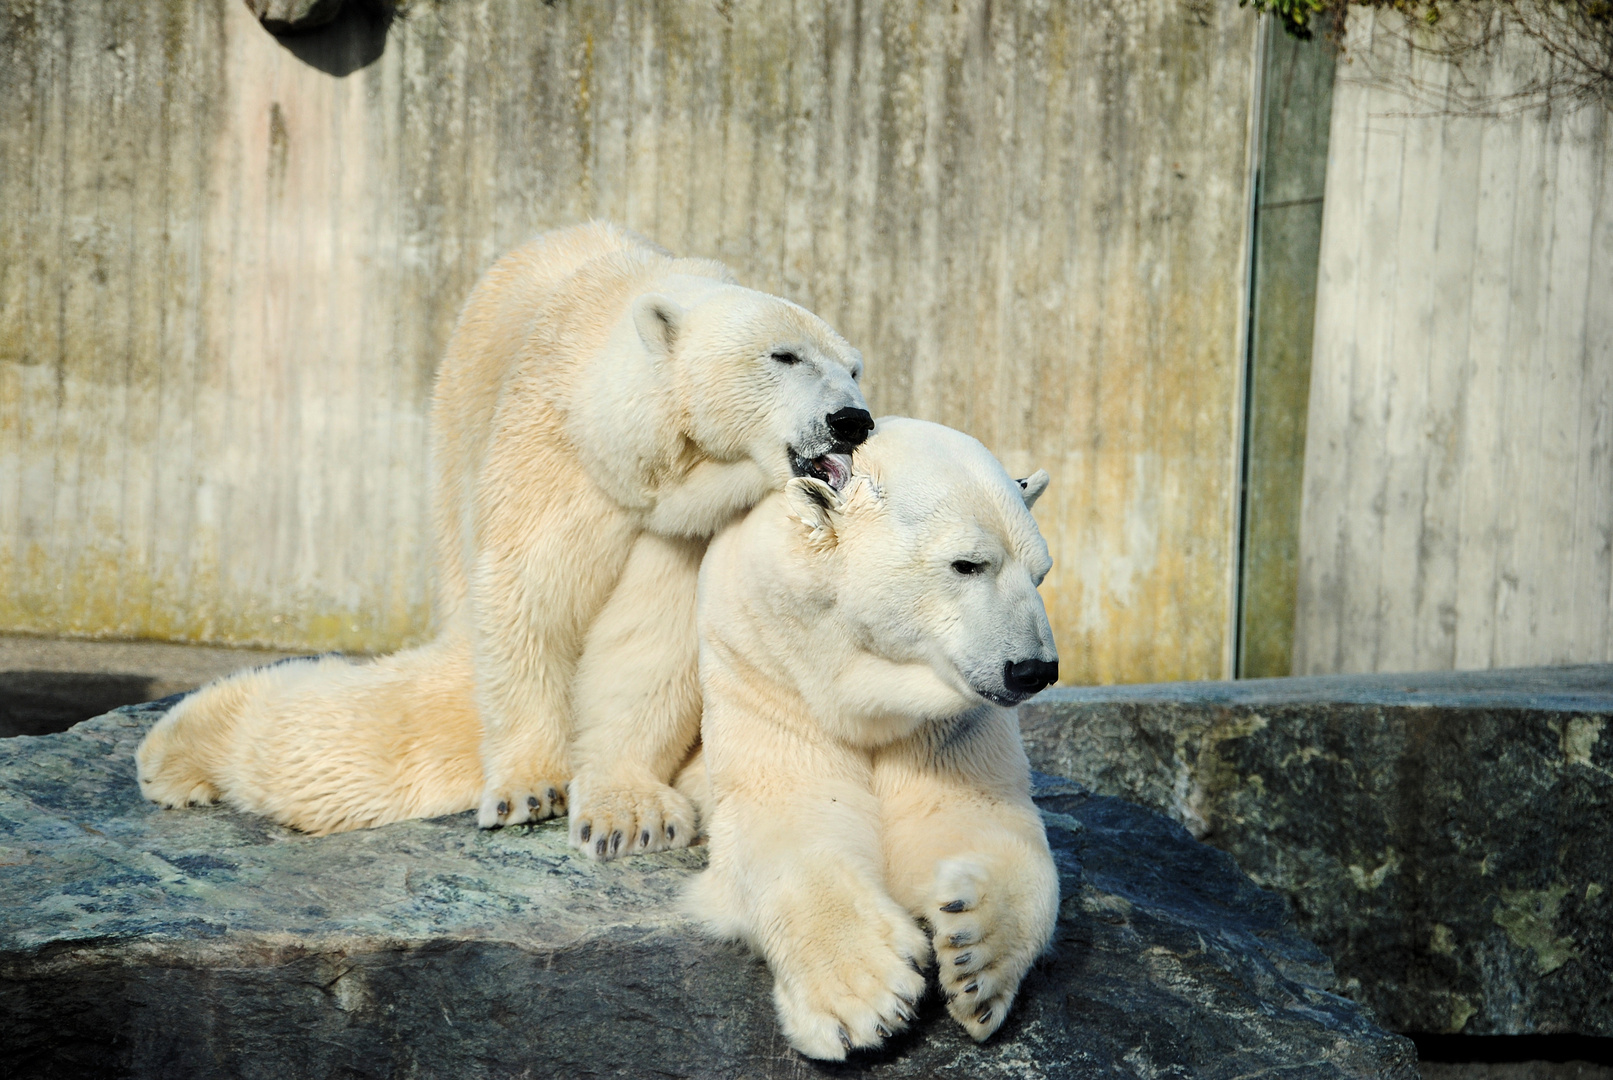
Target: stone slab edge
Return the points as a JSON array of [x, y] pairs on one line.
[[139, 942]]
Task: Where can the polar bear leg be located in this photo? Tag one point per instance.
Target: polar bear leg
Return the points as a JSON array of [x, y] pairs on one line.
[[179, 758], [796, 871], [491, 331], [693, 782], [549, 563], [637, 706], [966, 852]]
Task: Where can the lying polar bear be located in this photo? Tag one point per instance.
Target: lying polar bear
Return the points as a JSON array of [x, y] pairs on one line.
[[859, 650], [603, 408]]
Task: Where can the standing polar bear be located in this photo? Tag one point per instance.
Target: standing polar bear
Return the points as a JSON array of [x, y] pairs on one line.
[[602, 409], [859, 650]]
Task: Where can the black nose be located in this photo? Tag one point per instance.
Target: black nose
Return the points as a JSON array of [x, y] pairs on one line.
[[1029, 676], [851, 426]]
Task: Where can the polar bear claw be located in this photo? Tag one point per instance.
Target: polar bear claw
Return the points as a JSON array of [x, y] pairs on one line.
[[968, 936], [174, 796], [518, 803], [988, 929]]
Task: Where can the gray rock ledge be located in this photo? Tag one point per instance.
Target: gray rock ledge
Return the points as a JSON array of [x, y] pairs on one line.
[[138, 942]]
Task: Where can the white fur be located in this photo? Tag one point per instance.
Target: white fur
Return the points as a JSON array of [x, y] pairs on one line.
[[602, 408], [862, 778]]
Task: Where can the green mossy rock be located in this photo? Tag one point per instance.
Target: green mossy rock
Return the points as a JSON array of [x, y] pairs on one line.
[[1446, 838]]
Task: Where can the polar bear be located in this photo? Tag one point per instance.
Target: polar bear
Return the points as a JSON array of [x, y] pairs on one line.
[[859, 654], [602, 409]]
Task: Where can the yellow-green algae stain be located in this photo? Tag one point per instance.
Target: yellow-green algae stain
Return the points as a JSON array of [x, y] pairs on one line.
[[1580, 738], [1369, 880], [1201, 787], [1529, 916], [1462, 1010]]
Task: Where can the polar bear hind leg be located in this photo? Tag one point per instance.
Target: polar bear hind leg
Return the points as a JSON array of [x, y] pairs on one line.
[[179, 756], [325, 744]]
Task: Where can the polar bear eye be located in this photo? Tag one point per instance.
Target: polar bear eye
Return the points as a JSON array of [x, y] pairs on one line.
[[964, 566], [784, 357]]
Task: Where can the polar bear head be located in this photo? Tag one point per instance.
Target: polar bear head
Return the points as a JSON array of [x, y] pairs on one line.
[[757, 377], [909, 594]]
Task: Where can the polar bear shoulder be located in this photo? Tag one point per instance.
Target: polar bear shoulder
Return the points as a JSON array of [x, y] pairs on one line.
[[581, 275]]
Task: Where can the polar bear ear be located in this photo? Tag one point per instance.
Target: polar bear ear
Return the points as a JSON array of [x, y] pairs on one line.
[[658, 319], [814, 504], [1032, 487]]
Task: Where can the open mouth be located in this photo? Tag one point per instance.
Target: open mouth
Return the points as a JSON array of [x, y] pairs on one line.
[[1006, 698], [833, 469]]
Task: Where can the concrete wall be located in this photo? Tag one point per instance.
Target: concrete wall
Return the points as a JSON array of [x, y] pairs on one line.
[[227, 270], [1458, 502]]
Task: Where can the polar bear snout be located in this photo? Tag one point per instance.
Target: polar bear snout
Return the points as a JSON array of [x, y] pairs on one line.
[[851, 426], [1028, 676]]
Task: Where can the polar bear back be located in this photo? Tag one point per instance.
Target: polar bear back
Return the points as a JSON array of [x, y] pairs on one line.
[[494, 331]]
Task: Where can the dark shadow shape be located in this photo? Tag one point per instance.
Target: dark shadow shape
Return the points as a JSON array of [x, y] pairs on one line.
[[45, 702], [1488, 1049], [355, 39]]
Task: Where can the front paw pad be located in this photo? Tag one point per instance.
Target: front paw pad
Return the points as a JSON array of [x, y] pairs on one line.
[[512, 804], [855, 994], [608, 821], [979, 951]]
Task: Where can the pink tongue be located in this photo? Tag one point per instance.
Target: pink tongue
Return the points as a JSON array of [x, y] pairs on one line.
[[838, 466]]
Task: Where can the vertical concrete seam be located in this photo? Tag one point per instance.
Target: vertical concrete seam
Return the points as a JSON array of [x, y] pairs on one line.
[[1232, 650]]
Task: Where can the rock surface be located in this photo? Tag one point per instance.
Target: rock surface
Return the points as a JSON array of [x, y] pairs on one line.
[[204, 942], [1446, 838]]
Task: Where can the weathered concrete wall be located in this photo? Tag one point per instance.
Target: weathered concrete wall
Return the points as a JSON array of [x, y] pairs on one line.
[[1458, 504], [227, 274]]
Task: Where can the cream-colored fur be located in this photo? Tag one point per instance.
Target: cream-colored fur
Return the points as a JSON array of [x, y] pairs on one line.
[[403, 725], [865, 775], [602, 409]]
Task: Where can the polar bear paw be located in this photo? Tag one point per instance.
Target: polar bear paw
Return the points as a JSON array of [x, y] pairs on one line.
[[983, 946], [169, 776], [171, 793], [863, 987], [513, 803], [610, 820]]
